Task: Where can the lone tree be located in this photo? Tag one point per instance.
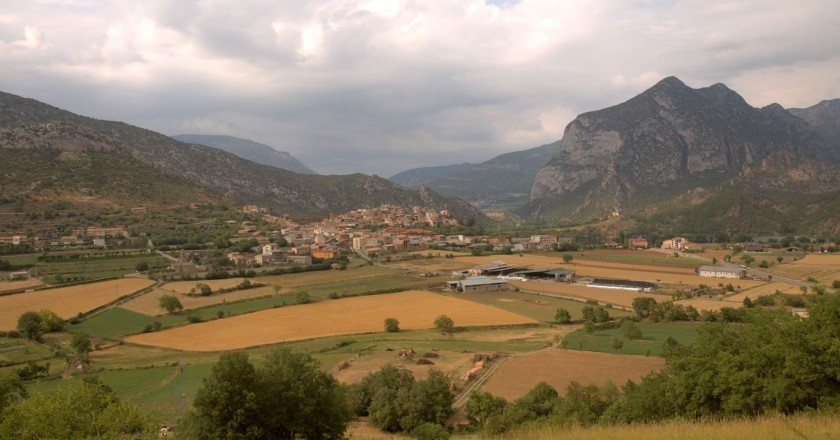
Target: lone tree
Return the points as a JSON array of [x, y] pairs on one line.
[[562, 316], [29, 325], [170, 303], [567, 258], [81, 345], [285, 397], [445, 324], [631, 330], [392, 325], [141, 266]]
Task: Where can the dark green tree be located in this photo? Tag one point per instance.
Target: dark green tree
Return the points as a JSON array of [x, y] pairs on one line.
[[170, 303], [225, 407], [445, 324], [81, 344], [643, 306], [29, 325], [297, 399], [482, 406], [427, 401], [80, 409], [562, 316], [392, 325], [630, 330]]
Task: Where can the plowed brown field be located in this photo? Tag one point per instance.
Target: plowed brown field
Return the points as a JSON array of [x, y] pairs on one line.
[[518, 375], [414, 310], [67, 302]]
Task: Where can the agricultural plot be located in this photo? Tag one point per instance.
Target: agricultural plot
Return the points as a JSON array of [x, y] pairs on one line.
[[67, 302], [149, 304], [414, 310], [184, 287], [10, 286], [653, 336], [325, 276], [622, 298], [823, 268], [558, 368], [764, 289], [536, 306]]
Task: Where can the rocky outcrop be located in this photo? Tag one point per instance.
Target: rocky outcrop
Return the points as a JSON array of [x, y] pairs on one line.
[[661, 143]]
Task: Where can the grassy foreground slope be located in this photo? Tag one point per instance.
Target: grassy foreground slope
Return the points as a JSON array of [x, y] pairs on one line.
[[770, 427]]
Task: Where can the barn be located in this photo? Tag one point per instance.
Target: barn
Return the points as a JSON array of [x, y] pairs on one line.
[[478, 284], [546, 274], [721, 272], [636, 286]]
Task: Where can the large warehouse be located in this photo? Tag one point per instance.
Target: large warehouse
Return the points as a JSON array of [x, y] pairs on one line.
[[478, 284]]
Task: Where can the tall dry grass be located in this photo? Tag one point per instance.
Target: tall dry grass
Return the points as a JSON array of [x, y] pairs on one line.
[[776, 427]]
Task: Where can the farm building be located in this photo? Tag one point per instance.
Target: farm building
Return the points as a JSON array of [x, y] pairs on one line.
[[19, 275], [498, 268], [547, 274], [636, 286], [720, 272], [478, 284]]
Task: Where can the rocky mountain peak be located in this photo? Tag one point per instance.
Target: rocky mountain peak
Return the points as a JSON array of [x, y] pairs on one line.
[[662, 142]]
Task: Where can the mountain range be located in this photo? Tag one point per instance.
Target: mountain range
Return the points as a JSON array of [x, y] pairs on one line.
[[695, 159], [248, 149], [501, 183], [29, 128]]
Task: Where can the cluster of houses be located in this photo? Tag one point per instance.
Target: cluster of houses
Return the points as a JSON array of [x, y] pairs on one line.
[[59, 237]]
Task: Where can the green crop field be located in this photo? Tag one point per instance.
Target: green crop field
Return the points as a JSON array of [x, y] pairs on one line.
[[653, 335], [539, 307]]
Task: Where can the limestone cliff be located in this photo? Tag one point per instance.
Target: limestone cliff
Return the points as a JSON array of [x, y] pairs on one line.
[[660, 144]]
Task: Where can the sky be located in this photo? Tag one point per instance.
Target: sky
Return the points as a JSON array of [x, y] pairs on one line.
[[382, 86]]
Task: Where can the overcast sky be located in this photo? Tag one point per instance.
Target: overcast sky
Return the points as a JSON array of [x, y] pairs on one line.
[[381, 86]]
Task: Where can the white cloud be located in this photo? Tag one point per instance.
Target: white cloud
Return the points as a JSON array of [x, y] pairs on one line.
[[380, 85]]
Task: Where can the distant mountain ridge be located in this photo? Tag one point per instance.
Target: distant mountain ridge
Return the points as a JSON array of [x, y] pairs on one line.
[[653, 152], [28, 123], [503, 182], [824, 118], [248, 149]]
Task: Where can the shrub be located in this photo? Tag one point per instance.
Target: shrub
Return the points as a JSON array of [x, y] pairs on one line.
[[617, 343], [392, 325], [430, 431]]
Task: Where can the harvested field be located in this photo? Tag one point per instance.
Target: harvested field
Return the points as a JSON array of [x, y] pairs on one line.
[[623, 298], [823, 268], [67, 302], [414, 310], [324, 276], [149, 303], [450, 363], [519, 374], [713, 304], [765, 289], [185, 286], [8, 286]]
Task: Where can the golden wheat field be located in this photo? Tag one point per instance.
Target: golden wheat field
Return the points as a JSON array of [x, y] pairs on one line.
[[67, 302], [149, 303], [413, 309], [6, 286], [825, 268], [185, 286], [519, 374]]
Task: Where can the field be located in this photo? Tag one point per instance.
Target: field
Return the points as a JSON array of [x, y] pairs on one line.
[[653, 335], [517, 375], [414, 310], [776, 427], [67, 302], [622, 298], [8, 286], [184, 287], [539, 307], [99, 267], [823, 268]]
